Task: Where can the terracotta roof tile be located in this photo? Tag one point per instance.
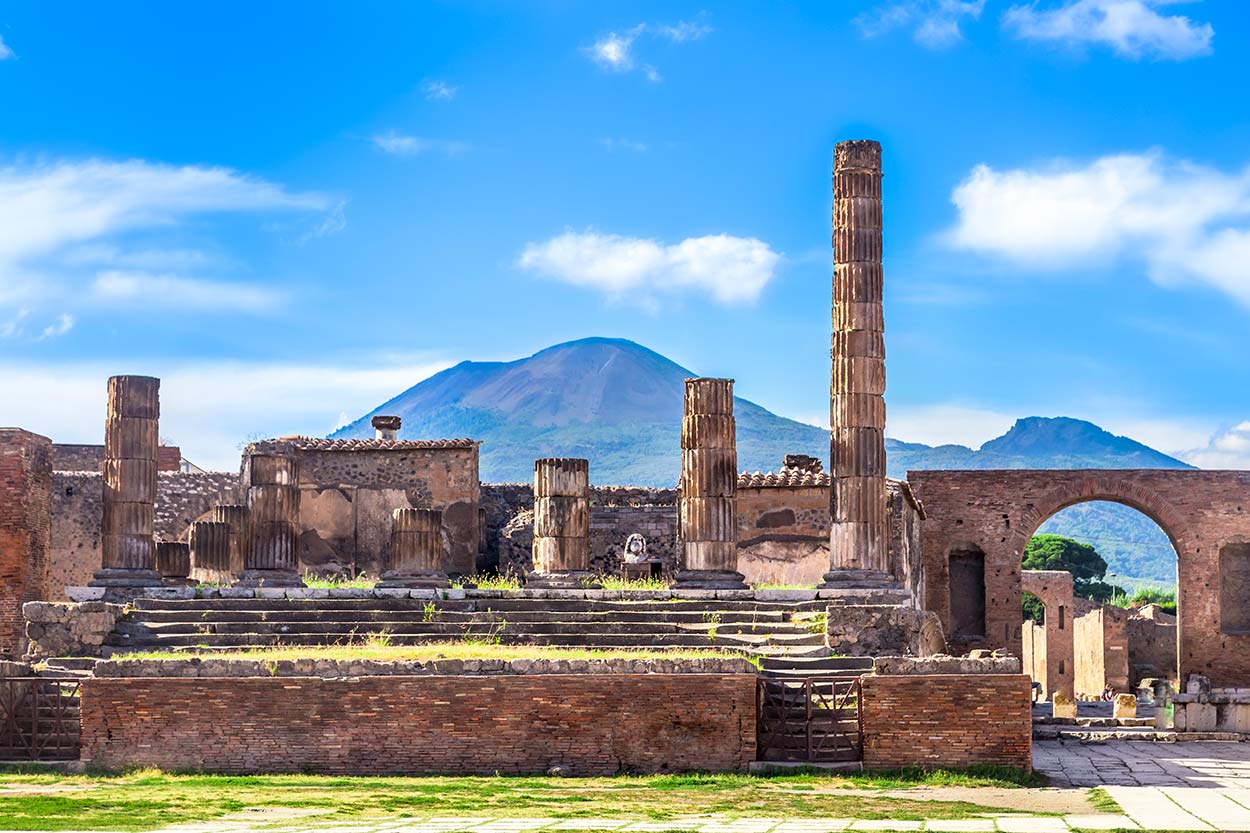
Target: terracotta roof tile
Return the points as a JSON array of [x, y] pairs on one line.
[[784, 479]]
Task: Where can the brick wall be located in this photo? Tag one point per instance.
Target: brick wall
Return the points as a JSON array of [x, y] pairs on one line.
[[598, 724], [998, 511], [940, 721], [25, 526], [1100, 652]]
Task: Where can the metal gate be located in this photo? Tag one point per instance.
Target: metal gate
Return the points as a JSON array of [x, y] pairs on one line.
[[808, 720], [39, 719]]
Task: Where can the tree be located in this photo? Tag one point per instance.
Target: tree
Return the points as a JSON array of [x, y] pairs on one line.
[[1088, 568]]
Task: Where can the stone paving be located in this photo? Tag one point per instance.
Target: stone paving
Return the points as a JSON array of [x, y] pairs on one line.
[[1131, 764]]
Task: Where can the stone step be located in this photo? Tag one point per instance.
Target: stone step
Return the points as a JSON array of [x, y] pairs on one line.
[[509, 603], [210, 627], [417, 614], [228, 641], [816, 666]]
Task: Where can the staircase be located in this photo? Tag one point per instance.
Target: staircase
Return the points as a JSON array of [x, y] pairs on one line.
[[783, 630]]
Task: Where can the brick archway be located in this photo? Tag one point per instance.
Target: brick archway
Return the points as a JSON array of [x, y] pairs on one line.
[[999, 510]]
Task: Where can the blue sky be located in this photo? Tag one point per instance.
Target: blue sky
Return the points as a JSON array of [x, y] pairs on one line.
[[290, 212]]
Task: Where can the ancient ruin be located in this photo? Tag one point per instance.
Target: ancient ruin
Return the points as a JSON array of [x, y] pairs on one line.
[[883, 617]]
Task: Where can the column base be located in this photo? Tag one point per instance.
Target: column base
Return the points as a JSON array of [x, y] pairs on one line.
[[709, 580], [561, 580], [269, 578], [433, 578], [125, 577], [856, 579]]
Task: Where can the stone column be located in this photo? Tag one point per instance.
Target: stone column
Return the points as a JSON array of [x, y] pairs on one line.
[[131, 441], [386, 427], [236, 516], [210, 552], [418, 554], [561, 523], [709, 484], [860, 533], [173, 562], [273, 507]]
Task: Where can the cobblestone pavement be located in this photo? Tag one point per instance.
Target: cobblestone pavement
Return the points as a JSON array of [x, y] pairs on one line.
[[1133, 764]]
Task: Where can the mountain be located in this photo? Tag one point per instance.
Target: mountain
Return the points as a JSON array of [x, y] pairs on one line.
[[619, 405]]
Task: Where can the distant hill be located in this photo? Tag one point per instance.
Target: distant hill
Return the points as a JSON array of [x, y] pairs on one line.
[[619, 405]]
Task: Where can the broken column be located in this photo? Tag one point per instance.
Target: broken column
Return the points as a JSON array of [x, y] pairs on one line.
[[386, 427], [860, 533], [418, 553], [561, 523], [131, 440], [236, 517], [209, 545], [173, 562], [273, 509], [708, 486]]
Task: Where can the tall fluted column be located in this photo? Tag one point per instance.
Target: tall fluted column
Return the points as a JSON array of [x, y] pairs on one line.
[[418, 554], [209, 544], [859, 537], [561, 523], [273, 509], [709, 487], [236, 516], [131, 443]]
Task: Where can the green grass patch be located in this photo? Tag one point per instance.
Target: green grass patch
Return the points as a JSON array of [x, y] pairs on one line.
[[148, 799], [1102, 801]]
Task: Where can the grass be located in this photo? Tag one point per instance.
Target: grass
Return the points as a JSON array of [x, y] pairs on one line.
[[618, 583], [380, 650], [148, 799], [337, 582], [1102, 801]]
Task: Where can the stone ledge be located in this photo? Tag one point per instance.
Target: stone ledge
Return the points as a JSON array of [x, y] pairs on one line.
[[942, 664], [88, 594], [330, 668]]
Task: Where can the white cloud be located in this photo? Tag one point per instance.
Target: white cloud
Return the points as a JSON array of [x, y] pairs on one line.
[[623, 144], [730, 269], [1187, 223], [63, 324], [12, 327], [933, 23], [1228, 449], [58, 220], [615, 50], [175, 291], [207, 408], [401, 144], [946, 424], [5, 52], [436, 90], [1132, 28]]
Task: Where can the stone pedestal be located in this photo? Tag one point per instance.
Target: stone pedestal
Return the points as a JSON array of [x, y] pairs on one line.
[[173, 562], [272, 557], [708, 510], [131, 443], [418, 555], [859, 537], [561, 524]]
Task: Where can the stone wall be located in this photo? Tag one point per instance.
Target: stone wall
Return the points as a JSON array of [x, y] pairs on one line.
[[1054, 670], [590, 724], [25, 481], [783, 534], [1151, 645], [68, 457], [996, 512], [1100, 652], [77, 503], [1033, 652], [60, 629], [947, 721], [616, 512], [349, 488]]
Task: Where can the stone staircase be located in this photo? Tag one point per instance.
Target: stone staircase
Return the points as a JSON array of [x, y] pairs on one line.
[[780, 630]]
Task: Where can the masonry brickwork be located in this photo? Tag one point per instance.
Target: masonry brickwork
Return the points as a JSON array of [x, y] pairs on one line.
[[591, 724], [947, 721], [996, 512], [1100, 652], [1053, 665], [25, 529]]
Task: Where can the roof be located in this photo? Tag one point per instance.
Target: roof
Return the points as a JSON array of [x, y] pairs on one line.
[[323, 444], [784, 479]]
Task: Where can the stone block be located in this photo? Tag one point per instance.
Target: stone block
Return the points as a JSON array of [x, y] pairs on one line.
[[172, 593], [785, 595], [392, 593], [301, 593], [1124, 706], [1062, 705], [84, 594], [1200, 717], [350, 593], [238, 593], [271, 592]]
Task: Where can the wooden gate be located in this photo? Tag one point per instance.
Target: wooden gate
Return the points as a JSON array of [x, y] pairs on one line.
[[39, 719], [808, 720]]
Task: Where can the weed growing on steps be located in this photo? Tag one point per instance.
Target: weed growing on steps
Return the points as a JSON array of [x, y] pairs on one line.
[[713, 622]]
